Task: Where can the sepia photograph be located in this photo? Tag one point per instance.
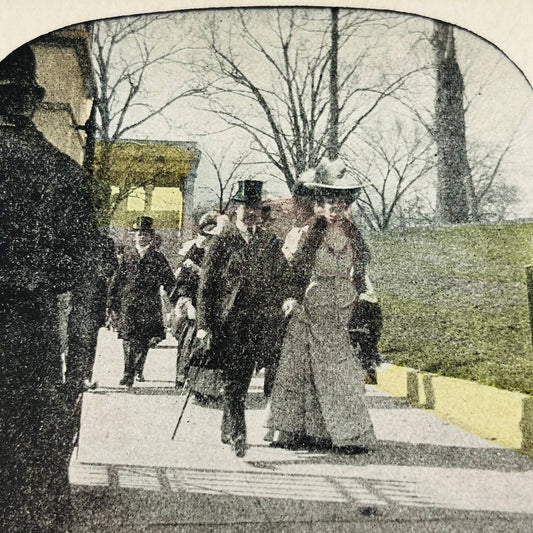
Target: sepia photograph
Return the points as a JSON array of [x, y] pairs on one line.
[[266, 267]]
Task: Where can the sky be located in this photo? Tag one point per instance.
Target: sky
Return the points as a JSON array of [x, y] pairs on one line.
[[501, 103]]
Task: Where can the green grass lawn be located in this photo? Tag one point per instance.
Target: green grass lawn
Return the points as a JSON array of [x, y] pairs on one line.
[[455, 302]]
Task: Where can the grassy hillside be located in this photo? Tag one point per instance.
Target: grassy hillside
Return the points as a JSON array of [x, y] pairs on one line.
[[455, 301]]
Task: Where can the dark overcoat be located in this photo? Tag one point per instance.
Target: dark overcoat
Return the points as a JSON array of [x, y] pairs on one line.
[[44, 228], [134, 294], [44, 231], [242, 289], [45, 214], [188, 277]]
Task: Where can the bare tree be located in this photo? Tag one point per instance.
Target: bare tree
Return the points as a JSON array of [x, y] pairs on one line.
[[491, 200], [333, 151], [470, 171], [449, 129], [393, 161], [127, 56], [227, 173], [417, 208], [275, 86]]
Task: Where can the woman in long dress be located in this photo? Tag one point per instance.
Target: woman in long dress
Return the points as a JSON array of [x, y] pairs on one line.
[[318, 393], [206, 383]]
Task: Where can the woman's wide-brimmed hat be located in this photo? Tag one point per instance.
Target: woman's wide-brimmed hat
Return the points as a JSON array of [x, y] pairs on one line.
[[330, 176], [208, 223], [212, 223]]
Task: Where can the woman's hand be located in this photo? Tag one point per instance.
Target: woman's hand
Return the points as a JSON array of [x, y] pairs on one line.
[[204, 336], [289, 306]]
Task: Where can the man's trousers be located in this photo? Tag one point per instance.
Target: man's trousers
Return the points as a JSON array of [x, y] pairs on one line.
[[236, 383], [135, 352]]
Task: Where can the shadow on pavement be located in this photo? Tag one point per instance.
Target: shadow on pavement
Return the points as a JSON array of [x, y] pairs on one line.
[[98, 509], [417, 455]]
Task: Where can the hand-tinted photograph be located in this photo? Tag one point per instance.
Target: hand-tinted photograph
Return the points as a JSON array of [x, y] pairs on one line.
[[265, 269]]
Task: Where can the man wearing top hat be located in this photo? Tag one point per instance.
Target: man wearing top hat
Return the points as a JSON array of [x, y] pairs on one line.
[[243, 283], [44, 228], [135, 298]]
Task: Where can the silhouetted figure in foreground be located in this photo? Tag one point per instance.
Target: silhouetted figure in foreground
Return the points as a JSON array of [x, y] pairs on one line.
[[44, 228]]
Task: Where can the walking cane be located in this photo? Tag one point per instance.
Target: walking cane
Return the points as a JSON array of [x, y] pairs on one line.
[[191, 383], [182, 345]]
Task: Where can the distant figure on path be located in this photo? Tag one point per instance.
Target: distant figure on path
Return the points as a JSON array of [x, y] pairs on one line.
[[135, 299]]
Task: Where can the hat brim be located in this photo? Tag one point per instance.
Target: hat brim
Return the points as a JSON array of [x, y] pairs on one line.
[[340, 188], [248, 201], [209, 229], [36, 91]]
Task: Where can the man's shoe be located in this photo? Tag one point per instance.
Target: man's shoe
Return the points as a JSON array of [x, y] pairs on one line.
[[239, 446], [89, 384], [225, 438], [123, 381]]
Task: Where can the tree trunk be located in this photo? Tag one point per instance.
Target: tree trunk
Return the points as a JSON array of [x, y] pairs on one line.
[[333, 151], [450, 138], [102, 184]]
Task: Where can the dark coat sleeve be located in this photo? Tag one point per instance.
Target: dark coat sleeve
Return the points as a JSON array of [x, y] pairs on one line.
[[188, 277], [115, 288], [208, 308], [166, 276], [45, 214]]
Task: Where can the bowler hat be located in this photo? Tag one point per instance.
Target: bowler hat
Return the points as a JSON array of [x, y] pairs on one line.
[[144, 224], [249, 192], [18, 71]]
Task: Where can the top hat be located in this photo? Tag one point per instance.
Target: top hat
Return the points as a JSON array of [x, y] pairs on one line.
[[249, 192], [144, 224], [330, 176], [18, 71]]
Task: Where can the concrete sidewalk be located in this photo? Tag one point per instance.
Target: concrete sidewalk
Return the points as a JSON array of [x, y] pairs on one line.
[[424, 475]]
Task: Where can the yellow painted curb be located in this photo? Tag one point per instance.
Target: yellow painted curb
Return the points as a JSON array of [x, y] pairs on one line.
[[491, 413], [393, 379], [500, 416], [419, 392]]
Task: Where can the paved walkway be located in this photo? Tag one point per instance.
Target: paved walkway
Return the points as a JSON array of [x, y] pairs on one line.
[[425, 475]]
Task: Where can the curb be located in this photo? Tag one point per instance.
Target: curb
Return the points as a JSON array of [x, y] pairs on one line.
[[503, 417]]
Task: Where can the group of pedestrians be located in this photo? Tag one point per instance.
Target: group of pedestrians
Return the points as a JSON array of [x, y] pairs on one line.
[[294, 309], [251, 300]]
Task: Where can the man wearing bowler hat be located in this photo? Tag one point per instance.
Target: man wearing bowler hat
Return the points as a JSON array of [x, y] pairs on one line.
[[243, 283], [135, 298], [44, 229]]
